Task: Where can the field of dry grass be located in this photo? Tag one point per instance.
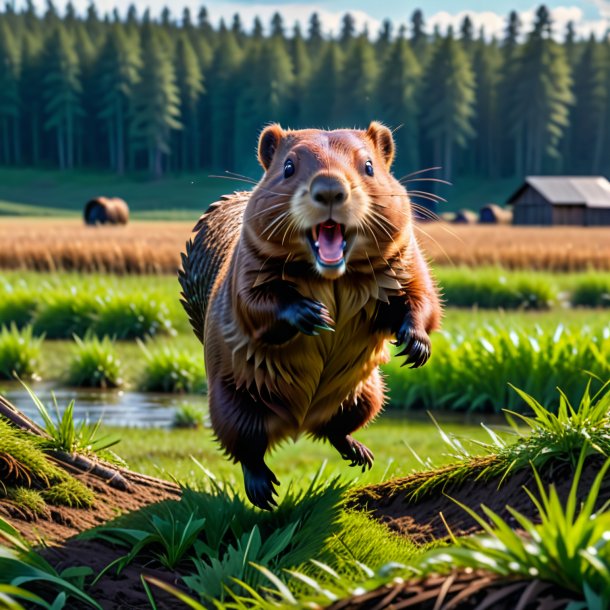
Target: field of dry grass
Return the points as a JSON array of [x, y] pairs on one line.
[[154, 247], [540, 248]]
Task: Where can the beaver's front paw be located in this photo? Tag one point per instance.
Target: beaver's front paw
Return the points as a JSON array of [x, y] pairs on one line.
[[307, 316], [416, 344]]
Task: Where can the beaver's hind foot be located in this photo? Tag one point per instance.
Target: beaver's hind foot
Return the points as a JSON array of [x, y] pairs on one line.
[[356, 452], [260, 485]]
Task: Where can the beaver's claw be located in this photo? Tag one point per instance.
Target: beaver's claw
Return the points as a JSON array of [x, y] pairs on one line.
[[354, 451], [260, 486], [416, 344], [307, 316]]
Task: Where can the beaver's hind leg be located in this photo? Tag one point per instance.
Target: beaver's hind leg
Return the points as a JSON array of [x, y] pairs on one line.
[[241, 429], [357, 410]]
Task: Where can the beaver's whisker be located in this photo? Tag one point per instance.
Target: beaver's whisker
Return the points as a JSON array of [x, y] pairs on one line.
[[271, 207], [244, 177], [424, 211], [377, 221], [430, 195], [439, 180], [419, 228], [278, 222], [366, 224], [262, 188], [420, 171]]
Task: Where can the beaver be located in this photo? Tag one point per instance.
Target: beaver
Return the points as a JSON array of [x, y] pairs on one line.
[[294, 289]]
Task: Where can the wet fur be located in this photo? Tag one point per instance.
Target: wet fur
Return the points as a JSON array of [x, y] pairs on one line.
[[249, 270]]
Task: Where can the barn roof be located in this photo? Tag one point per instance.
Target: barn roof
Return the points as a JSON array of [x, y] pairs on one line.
[[591, 191]]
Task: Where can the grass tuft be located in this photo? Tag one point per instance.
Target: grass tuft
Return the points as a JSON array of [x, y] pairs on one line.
[[188, 416], [133, 316], [565, 544], [170, 370], [94, 364], [69, 492], [591, 290], [63, 314], [19, 353]]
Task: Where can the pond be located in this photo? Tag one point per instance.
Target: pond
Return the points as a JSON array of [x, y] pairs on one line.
[[114, 407]]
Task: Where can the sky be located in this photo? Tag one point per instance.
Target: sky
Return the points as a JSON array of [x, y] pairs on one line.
[[588, 15]]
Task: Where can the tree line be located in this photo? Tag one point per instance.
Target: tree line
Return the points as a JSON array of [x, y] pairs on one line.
[[179, 95]]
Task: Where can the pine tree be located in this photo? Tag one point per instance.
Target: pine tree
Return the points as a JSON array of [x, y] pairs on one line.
[[467, 36], [543, 96], [156, 109], [348, 30], [223, 99], [448, 102], [315, 39], [277, 26], [419, 38], [397, 93], [189, 79], [119, 66], [302, 68], [486, 66], [588, 116], [10, 102], [62, 94], [384, 39], [358, 82], [322, 106]]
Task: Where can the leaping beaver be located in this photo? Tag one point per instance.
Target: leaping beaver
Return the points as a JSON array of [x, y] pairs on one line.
[[294, 289]]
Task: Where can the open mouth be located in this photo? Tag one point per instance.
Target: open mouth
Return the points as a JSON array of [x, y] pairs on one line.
[[328, 243]]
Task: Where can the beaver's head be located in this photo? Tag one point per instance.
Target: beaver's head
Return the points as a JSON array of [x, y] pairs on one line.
[[328, 197]]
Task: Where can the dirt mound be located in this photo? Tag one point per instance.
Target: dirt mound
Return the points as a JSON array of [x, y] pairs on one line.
[[420, 520], [460, 591]]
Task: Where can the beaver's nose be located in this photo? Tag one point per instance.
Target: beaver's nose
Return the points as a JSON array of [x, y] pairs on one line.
[[328, 190]]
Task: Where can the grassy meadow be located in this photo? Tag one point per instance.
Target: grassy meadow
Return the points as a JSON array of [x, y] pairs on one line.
[[126, 332]]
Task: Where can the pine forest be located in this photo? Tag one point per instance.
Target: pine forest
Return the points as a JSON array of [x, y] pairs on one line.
[[175, 94]]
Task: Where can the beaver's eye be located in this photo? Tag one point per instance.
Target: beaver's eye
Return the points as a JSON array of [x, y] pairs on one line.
[[368, 168], [288, 168]]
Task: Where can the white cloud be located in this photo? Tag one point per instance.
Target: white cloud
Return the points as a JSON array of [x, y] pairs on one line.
[[493, 23]]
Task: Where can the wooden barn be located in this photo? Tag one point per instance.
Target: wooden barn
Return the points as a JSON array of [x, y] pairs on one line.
[[562, 200]]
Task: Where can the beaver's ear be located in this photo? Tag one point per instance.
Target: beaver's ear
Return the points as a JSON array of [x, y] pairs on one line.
[[268, 144], [382, 138]]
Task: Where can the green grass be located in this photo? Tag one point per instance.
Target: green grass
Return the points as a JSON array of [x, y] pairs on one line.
[[472, 364], [591, 290], [94, 364], [19, 352], [495, 289], [568, 547], [544, 436], [167, 369], [68, 191], [25, 466]]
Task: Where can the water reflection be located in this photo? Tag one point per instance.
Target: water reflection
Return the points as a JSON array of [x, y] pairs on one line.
[[114, 407]]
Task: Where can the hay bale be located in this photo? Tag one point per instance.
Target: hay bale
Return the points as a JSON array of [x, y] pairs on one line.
[[106, 210], [464, 216], [495, 214]]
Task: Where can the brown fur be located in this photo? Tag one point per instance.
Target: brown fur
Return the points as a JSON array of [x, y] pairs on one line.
[[267, 381]]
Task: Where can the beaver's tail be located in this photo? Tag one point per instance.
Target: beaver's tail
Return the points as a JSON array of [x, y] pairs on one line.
[[216, 234]]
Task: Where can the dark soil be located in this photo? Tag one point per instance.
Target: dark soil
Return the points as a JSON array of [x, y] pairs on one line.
[[420, 520], [460, 591]]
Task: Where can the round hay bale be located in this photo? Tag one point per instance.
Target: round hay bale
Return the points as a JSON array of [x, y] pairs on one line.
[[495, 214], [464, 216], [106, 210]]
